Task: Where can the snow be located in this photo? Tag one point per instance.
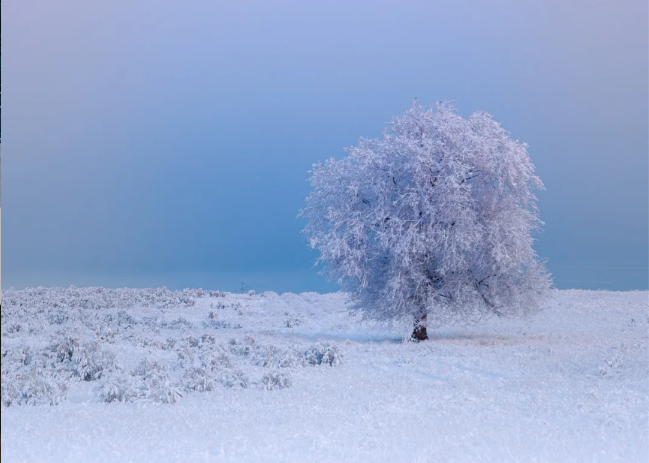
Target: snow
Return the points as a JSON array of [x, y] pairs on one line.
[[209, 376]]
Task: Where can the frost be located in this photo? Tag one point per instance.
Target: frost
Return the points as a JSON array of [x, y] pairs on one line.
[[433, 221]]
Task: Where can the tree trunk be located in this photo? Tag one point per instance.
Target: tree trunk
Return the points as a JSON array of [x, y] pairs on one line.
[[419, 333]]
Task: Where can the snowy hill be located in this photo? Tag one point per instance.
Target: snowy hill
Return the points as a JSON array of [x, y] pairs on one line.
[[96, 374]]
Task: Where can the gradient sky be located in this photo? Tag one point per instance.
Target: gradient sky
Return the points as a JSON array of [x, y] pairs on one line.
[[168, 143]]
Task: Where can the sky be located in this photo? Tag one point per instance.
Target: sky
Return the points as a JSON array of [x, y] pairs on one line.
[[160, 142]]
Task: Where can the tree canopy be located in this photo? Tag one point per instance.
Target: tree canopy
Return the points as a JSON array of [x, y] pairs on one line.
[[433, 220]]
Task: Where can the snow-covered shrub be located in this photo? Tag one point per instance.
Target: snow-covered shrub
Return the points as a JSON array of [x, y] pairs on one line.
[[269, 356], [152, 323], [292, 358], [186, 355], [19, 355], [58, 318], [216, 324], [179, 323], [117, 390], [124, 320], [239, 348], [27, 379], [151, 382], [187, 301], [277, 379], [148, 369], [168, 394], [215, 360], [199, 379], [86, 327], [89, 362], [266, 356], [233, 378], [169, 344], [324, 353], [35, 387], [219, 305], [39, 300], [238, 307], [193, 292], [433, 222], [64, 348], [207, 340], [105, 333], [12, 328], [148, 342], [213, 367], [85, 360], [611, 367]]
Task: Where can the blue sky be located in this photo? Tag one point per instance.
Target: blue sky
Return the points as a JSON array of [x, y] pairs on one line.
[[168, 143]]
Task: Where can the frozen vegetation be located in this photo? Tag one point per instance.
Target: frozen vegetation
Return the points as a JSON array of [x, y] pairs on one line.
[[433, 221], [96, 374]]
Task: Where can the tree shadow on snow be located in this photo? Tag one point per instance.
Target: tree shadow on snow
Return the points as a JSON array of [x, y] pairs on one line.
[[482, 339], [354, 337]]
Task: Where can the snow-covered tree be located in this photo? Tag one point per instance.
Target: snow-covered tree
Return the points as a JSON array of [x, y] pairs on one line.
[[433, 221]]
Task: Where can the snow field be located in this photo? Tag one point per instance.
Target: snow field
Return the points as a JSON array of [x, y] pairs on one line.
[[156, 375]]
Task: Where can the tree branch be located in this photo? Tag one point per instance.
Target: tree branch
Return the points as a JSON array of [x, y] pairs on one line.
[[470, 177]]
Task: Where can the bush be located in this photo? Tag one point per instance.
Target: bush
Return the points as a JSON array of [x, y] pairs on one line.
[[36, 386], [85, 360], [323, 354], [148, 381], [276, 380]]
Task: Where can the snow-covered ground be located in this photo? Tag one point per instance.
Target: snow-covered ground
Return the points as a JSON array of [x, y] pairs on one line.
[[194, 376]]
